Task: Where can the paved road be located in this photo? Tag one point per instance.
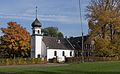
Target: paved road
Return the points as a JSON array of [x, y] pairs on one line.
[[33, 65]]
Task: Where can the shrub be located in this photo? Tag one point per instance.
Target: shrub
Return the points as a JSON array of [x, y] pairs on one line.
[[20, 61], [91, 59]]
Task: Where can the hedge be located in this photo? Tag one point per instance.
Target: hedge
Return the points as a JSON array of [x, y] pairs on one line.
[[91, 59], [21, 61]]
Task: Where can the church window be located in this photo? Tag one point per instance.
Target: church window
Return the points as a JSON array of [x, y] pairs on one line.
[[55, 53], [38, 55], [70, 53], [63, 53], [38, 31], [33, 31]]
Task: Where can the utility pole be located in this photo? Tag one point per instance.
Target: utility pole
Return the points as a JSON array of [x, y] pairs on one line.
[[82, 51]]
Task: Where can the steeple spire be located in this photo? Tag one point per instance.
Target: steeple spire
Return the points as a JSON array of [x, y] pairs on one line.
[[36, 22], [36, 11]]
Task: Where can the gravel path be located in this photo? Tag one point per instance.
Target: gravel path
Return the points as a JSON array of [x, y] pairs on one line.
[[33, 65]]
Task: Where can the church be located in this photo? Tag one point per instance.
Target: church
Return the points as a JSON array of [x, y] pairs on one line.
[[49, 47], [55, 47]]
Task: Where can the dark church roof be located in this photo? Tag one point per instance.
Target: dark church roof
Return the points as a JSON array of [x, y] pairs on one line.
[[36, 23], [57, 43], [77, 41]]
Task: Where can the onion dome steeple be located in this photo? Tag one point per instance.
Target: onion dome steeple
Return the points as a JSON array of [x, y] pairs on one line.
[[36, 23]]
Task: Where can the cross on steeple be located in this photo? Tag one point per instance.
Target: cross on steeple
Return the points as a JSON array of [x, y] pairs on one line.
[[36, 11]]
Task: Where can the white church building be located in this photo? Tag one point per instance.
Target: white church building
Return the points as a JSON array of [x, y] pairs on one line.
[[49, 47]]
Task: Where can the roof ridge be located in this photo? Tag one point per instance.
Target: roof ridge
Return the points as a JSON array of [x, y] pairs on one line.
[[69, 43]]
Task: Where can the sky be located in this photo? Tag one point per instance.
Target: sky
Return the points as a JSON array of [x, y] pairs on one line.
[[63, 14]]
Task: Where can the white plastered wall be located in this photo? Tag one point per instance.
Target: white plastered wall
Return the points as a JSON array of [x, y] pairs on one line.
[[38, 43], [60, 57]]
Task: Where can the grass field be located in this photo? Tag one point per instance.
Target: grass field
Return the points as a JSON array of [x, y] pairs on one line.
[[81, 68]]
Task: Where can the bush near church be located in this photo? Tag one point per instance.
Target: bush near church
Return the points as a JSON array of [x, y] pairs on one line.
[[91, 59], [22, 61]]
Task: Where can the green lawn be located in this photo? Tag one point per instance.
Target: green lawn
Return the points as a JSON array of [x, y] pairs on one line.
[[81, 68]]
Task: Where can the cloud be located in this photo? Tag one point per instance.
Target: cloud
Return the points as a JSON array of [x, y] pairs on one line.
[[61, 19], [51, 18], [15, 16], [63, 12]]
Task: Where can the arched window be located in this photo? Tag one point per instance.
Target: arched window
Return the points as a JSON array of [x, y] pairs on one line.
[[55, 53], [38, 31], [33, 31], [63, 53], [70, 53], [38, 55]]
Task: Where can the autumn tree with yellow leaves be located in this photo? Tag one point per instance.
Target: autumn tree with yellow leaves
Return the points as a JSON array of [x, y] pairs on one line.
[[104, 23], [15, 41]]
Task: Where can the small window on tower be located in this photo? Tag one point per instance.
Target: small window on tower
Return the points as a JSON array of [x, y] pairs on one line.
[[33, 31], [38, 31]]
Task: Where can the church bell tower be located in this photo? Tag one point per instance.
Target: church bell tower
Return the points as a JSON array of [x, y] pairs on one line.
[[36, 38]]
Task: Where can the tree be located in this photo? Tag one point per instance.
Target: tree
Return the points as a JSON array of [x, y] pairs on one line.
[[60, 34], [104, 23], [16, 40], [52, 32], [3, 53]]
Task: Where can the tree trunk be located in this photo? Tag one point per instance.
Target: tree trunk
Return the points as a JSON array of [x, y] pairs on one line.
[[103, 31], [111, 32]]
